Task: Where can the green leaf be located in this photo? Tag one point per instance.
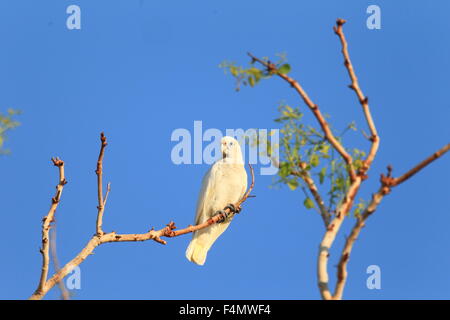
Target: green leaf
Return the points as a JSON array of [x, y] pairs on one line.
[[257, 73], [288, 108], [234, 71], [308, 203], [314, 160], [324, 149], [358, 164], [251, 81], [292, 184], [284, 170], [322, 175], [284, 69], [333, 166], [340, 183]]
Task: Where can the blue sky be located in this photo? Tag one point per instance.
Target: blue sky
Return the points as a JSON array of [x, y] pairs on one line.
[[140, 69]]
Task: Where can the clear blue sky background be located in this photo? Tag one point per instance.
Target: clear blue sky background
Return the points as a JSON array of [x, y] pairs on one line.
[[140, 69]]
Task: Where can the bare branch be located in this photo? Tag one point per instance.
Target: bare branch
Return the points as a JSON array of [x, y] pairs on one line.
[[99, 172], [101, 238], [46, 221], [363, 100], [330, 235], [421, 165]]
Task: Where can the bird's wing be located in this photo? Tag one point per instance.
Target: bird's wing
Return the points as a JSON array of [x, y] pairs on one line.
[[205, 191]]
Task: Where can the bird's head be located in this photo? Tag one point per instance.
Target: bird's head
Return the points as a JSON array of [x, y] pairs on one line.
[[231, 150]]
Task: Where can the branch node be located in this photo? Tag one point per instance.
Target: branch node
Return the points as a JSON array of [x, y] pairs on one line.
[[345, 256], [103, 139], [57, 162], [340, 22], [389, 169], [364, 101]]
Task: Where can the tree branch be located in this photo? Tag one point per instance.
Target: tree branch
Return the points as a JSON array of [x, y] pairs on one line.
[[387, 182], [46, 221], [421, 165], [100, 237], [306, 177], [333, 227], [271, 68], [329, 237], [363, 100], [345, 207], [99, 172]]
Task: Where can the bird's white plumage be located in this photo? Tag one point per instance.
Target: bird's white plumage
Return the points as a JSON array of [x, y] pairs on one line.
[[224, 183]]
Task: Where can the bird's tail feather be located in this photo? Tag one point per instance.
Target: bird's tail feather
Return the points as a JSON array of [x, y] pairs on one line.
[[202, 241], [196, 252]]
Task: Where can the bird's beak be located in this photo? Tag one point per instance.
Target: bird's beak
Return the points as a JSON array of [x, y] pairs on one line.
[[224, 150]]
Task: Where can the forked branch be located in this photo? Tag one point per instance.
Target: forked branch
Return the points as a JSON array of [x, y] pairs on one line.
[[169, 231]]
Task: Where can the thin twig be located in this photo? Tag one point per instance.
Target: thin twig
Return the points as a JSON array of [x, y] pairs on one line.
[[421, 165], [363, 100], [99, 172]]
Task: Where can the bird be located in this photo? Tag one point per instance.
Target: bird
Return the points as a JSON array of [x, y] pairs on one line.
[[224, 183]]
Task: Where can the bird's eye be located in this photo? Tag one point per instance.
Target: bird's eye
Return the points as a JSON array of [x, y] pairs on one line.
[[231, 143]]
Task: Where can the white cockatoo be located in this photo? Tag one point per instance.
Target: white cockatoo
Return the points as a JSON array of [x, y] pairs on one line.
[[225, 183]]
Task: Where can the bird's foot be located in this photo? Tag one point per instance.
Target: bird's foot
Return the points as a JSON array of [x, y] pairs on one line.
[[224, 216], [233, 208]]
